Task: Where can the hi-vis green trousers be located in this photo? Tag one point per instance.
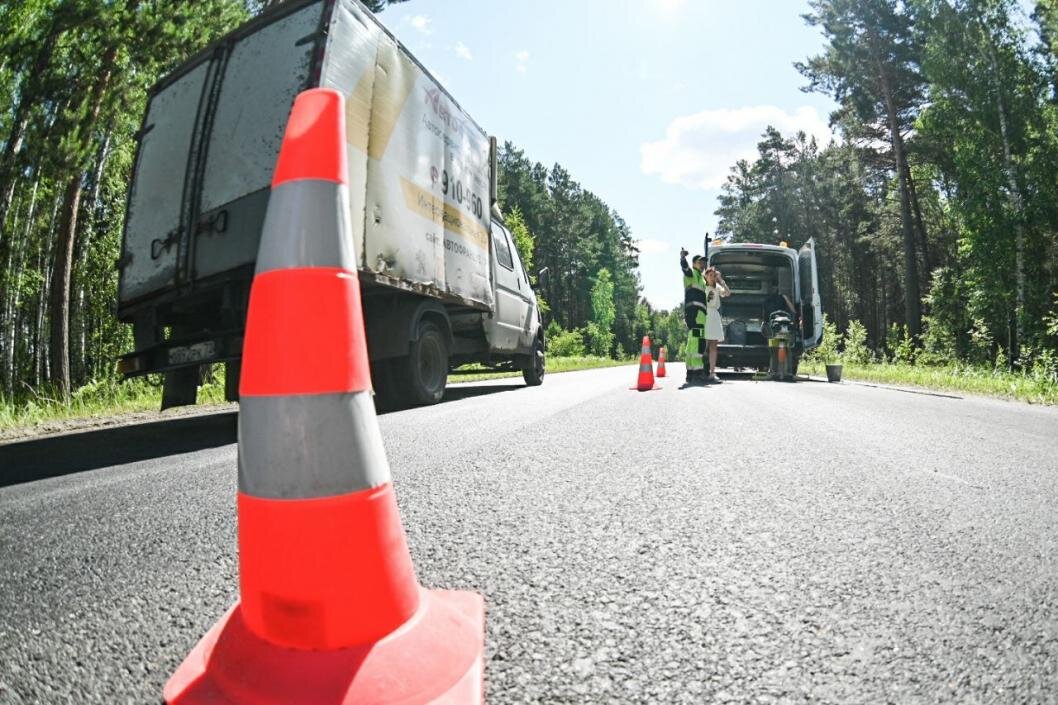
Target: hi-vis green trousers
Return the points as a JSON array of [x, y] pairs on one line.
[[695, 351]]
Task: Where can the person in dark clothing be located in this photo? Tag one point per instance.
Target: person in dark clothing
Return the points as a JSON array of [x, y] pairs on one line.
[[776, 302]]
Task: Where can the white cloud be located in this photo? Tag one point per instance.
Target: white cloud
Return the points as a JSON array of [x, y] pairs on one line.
[[463, 51], [649, 246], [698, 150], [522, 57], [421, 23]]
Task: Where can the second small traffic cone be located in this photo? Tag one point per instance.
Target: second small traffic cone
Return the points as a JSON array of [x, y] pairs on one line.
[[661, 363], [646, 367], [330, 611]]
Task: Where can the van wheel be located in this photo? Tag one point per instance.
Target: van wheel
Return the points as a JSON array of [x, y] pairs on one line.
[[533, 372], [424, 372]]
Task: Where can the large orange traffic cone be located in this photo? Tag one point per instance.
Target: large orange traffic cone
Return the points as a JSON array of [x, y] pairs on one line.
[[330, 610], [661, 363], [646, 367]]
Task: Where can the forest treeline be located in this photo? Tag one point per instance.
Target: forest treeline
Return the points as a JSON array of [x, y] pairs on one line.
[[76, 75], [592, 292], [936, 212]]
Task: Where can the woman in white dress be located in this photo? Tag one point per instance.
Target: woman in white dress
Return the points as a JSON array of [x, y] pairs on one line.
[[714, 327]]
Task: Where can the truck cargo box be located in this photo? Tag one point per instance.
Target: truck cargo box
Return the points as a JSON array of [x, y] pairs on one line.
[[419, 167]]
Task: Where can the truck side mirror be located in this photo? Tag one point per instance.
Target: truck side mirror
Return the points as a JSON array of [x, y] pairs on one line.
[[543, 275]]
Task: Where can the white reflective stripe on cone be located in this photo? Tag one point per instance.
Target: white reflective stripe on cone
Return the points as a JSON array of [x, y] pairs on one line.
[[307, 225], [310, 445]]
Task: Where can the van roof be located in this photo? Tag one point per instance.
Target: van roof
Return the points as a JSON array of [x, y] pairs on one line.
[[749, 246]]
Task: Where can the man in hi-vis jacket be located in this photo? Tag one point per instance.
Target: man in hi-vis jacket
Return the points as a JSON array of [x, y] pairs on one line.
[[694, 313]]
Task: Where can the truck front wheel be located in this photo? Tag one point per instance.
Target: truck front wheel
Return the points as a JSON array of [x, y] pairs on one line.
[[533, 372], [424, 372]]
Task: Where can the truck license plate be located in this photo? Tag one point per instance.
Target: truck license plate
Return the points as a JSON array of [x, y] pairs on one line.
[[192, 353]]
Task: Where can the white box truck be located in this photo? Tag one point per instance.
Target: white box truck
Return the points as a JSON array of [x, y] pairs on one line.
[[441, 279]]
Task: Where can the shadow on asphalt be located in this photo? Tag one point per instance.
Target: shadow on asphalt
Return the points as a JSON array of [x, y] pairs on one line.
[[40, 458], [455, 394], [54, 456], [759, 377]]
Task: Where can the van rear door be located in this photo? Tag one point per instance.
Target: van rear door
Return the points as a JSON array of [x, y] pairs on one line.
[[153, 226], [811, 305], [265, 69]]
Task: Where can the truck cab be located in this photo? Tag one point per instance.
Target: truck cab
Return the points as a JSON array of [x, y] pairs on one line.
[[515, 324], [753, 271]]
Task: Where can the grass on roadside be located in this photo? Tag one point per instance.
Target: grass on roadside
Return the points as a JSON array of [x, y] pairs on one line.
[[971, 379], [476, 373], [112, 397], [106, 397]]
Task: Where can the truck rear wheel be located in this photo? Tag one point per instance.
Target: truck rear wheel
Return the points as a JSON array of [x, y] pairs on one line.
[[424, 372], [533, 372]]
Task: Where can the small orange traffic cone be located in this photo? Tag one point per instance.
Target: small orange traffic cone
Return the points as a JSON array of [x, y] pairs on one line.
[[646, 367], [661, 363], [330, 611]]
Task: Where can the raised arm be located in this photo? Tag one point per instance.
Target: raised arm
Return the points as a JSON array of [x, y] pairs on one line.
[[683, 263], [721, 285]]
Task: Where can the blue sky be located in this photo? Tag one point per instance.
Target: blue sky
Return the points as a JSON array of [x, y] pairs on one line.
[[647, 103]]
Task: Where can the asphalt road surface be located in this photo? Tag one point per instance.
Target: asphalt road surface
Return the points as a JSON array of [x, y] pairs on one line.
[[753, 542]]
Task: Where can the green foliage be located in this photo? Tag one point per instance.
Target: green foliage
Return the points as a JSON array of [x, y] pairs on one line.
[[523, 239], [1044, 367], [947, 326], [77, 75], [982, 346], [603, 311], [545, 308], [942, 185], [603, 314], [576, 235], [955, 377], [871, 67], [856, 350], [1051, 319], [566, 343], [552, 329], [826, 352], [106, 396], [600, 341], [900, 345]]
